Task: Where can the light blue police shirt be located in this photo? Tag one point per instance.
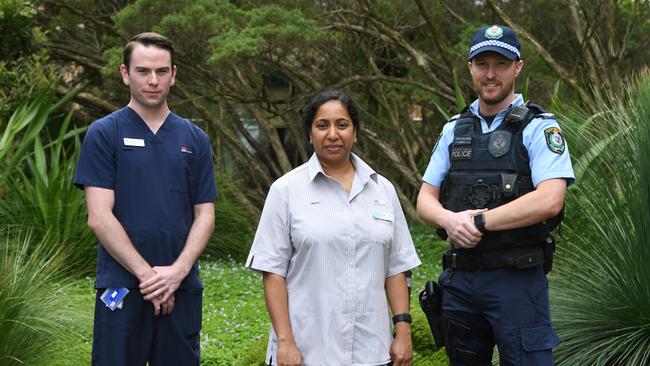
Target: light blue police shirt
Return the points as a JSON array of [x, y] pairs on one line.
[[544, 163]]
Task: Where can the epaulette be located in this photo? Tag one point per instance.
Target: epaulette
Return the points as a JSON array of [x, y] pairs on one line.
[[453, 118], [545, 116]]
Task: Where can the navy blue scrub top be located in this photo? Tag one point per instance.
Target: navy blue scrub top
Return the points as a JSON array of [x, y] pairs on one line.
[[157, 179]]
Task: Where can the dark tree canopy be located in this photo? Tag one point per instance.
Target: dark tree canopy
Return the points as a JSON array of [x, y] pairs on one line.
[[246, 68]]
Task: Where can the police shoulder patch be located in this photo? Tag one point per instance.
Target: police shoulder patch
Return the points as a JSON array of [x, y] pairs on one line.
[[554, 140]]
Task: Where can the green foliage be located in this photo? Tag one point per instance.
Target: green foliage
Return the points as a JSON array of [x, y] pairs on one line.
[[17, 18], [235, 322], [429, 248], [26, 122], [23, 80], [36, 182], [460, 99], [113, 57], [33, 311], [131, 19], [73, 345], [24, 68], [266, 27], [228, 30], [234, 230], [600, 290]]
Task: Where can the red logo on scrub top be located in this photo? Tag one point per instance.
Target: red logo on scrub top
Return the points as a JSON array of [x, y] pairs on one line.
[[184, 149]]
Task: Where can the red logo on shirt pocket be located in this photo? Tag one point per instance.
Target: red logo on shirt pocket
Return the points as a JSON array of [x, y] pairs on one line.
[[185, 149]]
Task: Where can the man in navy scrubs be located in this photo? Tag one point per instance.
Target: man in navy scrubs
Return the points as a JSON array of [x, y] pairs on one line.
[[148, 178]]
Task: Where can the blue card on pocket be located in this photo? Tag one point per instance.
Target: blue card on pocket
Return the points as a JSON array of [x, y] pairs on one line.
[[113, 297]]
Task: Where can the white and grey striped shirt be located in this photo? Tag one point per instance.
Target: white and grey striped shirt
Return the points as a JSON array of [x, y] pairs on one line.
[[335, 251]]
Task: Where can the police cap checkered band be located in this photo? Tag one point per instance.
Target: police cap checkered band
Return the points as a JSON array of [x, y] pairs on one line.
[[495, 38], [496, 44]]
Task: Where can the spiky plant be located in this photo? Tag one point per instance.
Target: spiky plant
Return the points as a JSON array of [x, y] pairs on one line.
[[36, 173], [33, 305], [601, 285]]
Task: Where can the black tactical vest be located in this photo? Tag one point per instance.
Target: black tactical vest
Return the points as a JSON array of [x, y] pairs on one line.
[[492, 169]]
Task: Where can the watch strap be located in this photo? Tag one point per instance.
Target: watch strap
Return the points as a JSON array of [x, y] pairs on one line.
[[479, 221], [405, 317]]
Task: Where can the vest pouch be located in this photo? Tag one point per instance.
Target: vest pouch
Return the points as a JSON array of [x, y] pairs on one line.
[[508, 187]]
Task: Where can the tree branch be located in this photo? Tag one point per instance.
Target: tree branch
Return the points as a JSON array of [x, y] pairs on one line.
[[107, 26], [88, 98], [546, 56]]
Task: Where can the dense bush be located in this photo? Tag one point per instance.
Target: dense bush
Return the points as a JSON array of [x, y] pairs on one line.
[[36, 190], [234, 228]]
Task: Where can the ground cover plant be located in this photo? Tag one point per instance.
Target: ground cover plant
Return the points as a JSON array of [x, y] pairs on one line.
[[33, 310]]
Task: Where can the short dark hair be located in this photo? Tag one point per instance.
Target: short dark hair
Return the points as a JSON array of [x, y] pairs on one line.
[[147, 39], [326, 96]]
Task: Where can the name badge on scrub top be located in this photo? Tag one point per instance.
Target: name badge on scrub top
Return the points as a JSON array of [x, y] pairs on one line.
[[133, 142]]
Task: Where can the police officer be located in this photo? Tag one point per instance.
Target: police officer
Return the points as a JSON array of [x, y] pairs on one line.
[[148, 178], [495, 188]]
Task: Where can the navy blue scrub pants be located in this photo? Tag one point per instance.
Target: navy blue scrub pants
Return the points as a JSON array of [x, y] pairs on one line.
[[507, 307], [133, 335]]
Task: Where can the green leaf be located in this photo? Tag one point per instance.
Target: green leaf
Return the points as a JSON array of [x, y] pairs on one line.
[[460, 99]]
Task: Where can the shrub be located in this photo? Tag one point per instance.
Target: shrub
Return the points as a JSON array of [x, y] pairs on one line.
[[600, 290], [234, 228], [36, 187], [32, 309]]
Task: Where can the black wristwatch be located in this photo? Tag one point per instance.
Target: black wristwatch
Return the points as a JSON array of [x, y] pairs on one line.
[[479, 221], [405, 317]]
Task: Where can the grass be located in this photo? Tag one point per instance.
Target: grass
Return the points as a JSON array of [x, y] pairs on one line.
[[33, 307], [235, 322], [429, 248]]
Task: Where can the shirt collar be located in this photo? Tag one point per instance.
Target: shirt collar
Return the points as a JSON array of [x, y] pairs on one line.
[[362, 170], [165, 128], [519, 100]]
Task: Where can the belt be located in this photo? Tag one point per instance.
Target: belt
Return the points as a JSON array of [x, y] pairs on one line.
[[519, 258]]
